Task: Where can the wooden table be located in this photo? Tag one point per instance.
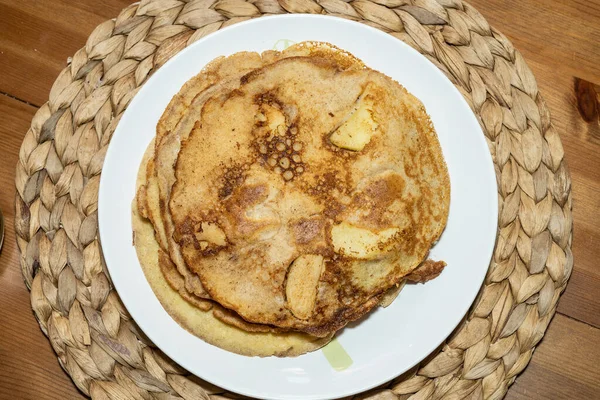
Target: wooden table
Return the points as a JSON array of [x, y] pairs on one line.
[[559, 39]]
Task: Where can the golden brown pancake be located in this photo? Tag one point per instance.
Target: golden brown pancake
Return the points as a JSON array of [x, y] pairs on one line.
[[215, 325], [174, 125], [306, 192], [179, 119]]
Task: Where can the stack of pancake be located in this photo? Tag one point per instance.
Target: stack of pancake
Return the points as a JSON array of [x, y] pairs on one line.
[[286, 194]]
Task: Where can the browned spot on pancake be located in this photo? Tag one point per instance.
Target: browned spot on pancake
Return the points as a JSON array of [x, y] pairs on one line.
[[142, 201], [386, 190], [161, 203], [233, 94], [237, 207], [232, 177], [248, 77], [342, 316], [311, 235], [308, 229], [378, 197], [187, 230], [276, 144], [330, 186], [269, 97], [343, 59], [408, 240], [247, 195]]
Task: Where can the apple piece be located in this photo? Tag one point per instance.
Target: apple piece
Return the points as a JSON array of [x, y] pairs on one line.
[[356, 132], [360, 243], [301, 286], [211, 233], [272, 116], [391, 294]]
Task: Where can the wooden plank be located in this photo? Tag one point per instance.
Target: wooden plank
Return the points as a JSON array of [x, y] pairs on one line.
[[564, 366], [38, 37], [563, 33], [28, 367]]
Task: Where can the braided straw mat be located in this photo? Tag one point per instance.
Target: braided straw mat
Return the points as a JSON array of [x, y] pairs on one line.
[[61, 157]]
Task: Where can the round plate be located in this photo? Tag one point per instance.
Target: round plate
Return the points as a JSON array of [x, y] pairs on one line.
[[390, 340]]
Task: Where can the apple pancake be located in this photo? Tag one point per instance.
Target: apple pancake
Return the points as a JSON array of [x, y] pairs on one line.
[[178, 120], [306, 192], [175, 124]]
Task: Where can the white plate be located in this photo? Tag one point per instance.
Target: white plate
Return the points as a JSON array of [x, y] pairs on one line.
[[391, 340]]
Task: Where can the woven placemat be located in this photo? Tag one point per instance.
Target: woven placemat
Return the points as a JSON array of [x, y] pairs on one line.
[[60, 161]]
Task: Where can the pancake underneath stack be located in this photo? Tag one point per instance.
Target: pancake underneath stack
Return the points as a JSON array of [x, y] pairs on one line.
[[286, 194]]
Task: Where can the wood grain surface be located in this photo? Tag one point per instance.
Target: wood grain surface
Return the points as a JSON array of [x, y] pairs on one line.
[[560, 41]]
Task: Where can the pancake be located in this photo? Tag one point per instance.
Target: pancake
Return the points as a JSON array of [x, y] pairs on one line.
[[179, 119], [209, 324], [176, 122], [305, 193]]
